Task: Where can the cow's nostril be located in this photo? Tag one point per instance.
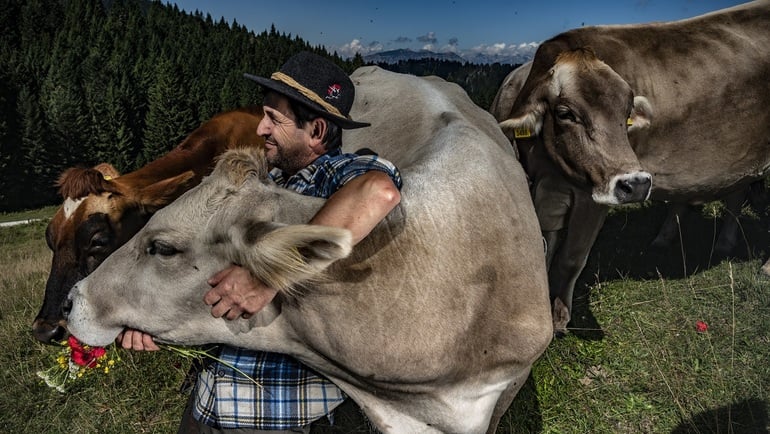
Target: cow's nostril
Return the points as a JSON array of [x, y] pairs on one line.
[[625, 186], [47, 332], [632, 189]]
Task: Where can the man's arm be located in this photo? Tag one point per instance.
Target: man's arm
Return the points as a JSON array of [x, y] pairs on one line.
[[358, 206]]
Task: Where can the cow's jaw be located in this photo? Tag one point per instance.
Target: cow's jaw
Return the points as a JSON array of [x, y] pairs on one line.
[[84, 323]]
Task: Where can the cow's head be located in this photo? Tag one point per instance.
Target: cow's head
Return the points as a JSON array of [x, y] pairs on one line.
[[156, 281], [101, 211], [583, 111]]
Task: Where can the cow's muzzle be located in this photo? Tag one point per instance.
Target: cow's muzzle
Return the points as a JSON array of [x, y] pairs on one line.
[[633, 187], [49, 332]]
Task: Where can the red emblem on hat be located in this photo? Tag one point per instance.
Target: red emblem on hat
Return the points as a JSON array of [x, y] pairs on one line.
[[333, 92]]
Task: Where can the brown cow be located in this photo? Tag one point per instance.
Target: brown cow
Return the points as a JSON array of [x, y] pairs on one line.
[[102, 211], [703, 78], [561, 204]]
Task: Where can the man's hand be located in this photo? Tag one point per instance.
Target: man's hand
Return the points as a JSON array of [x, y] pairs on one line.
[[237, 293], [131, 339]]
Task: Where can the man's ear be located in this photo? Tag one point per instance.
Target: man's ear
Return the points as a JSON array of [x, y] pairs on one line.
[[318, 129]]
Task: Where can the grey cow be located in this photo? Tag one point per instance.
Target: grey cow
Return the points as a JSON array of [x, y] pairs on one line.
[[431, 324]]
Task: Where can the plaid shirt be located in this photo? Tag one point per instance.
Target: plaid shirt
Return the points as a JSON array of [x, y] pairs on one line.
[[289, 394]]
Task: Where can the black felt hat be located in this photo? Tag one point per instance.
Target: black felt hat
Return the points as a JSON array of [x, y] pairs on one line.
[[317, 83]]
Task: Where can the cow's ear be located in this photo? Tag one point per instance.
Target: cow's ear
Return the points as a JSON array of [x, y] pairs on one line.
[[107, 170], [285, 256], [526, 118], [641, 114], [162, 193]]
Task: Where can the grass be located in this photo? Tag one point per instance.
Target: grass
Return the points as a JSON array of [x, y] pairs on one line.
[[34, 214], [633, 362]]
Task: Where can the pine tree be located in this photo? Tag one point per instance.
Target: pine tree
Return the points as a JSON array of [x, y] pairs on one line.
[[169, 118], [82, 84]]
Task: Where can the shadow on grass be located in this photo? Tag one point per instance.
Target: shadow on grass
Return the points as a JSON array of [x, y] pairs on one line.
[[749, 417], [623, 246], [523, 416], [622, 250]]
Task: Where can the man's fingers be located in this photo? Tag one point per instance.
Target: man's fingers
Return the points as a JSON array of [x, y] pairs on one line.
[[148, 343], [215, 279], [233, 314], [211, 297]]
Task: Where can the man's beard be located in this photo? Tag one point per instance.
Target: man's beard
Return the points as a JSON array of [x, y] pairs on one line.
[[289, 162]]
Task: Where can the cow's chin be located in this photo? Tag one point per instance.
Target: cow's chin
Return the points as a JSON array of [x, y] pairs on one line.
[[95, 336]]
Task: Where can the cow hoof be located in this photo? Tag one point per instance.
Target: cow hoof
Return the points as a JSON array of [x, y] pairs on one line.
[[561, 318]]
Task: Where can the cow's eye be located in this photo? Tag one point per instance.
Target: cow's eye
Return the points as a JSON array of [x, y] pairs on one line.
[[565, 114], [161, 248], [100, 240]]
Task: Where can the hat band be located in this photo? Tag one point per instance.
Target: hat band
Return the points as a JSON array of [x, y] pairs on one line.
[[283, 78]]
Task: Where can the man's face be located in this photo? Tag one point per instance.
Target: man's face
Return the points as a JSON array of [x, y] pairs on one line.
[[288, 146]]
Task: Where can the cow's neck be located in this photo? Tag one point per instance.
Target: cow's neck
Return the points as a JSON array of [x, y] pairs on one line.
[[295, 208]]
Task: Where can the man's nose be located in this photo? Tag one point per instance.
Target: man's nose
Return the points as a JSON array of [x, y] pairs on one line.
[[263, 129]]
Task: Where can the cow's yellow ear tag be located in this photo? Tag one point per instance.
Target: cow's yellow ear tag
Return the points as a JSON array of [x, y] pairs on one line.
[[107, 177], [521, 133], [629, 122]]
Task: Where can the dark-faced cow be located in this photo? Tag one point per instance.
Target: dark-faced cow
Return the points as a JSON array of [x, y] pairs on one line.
[[684, 102], [101, 210], [431, 323]]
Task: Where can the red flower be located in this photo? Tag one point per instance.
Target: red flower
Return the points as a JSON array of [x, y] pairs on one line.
[[74, 361], [83, 355], [74, 343], [701, 327]]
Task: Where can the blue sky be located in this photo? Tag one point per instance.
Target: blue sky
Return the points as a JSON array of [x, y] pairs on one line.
[[445, 25]]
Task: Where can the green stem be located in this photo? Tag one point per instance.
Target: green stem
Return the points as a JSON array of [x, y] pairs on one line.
[[191, 353]]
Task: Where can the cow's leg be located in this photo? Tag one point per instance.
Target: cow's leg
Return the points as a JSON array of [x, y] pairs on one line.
[[551, 241], [730, 230], [669, 229], [586, 218]]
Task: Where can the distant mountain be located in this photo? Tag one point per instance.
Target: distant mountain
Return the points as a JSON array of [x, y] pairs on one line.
[[394, 56], [510, 59]]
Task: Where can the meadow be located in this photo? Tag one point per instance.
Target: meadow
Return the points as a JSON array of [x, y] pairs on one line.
[[667, 341]]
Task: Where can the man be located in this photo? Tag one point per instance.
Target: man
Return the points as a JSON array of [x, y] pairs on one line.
[[306, 104]]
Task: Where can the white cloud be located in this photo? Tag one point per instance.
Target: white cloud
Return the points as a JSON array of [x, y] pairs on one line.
[[356, 46], [450, 48], [429, 38], [503, 49]]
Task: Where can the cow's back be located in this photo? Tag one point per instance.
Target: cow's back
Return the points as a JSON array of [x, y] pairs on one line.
[[705, 78]]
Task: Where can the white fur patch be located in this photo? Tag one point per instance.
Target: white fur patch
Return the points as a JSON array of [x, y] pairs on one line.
[[562, 75], [70, 205], [475, 404]]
